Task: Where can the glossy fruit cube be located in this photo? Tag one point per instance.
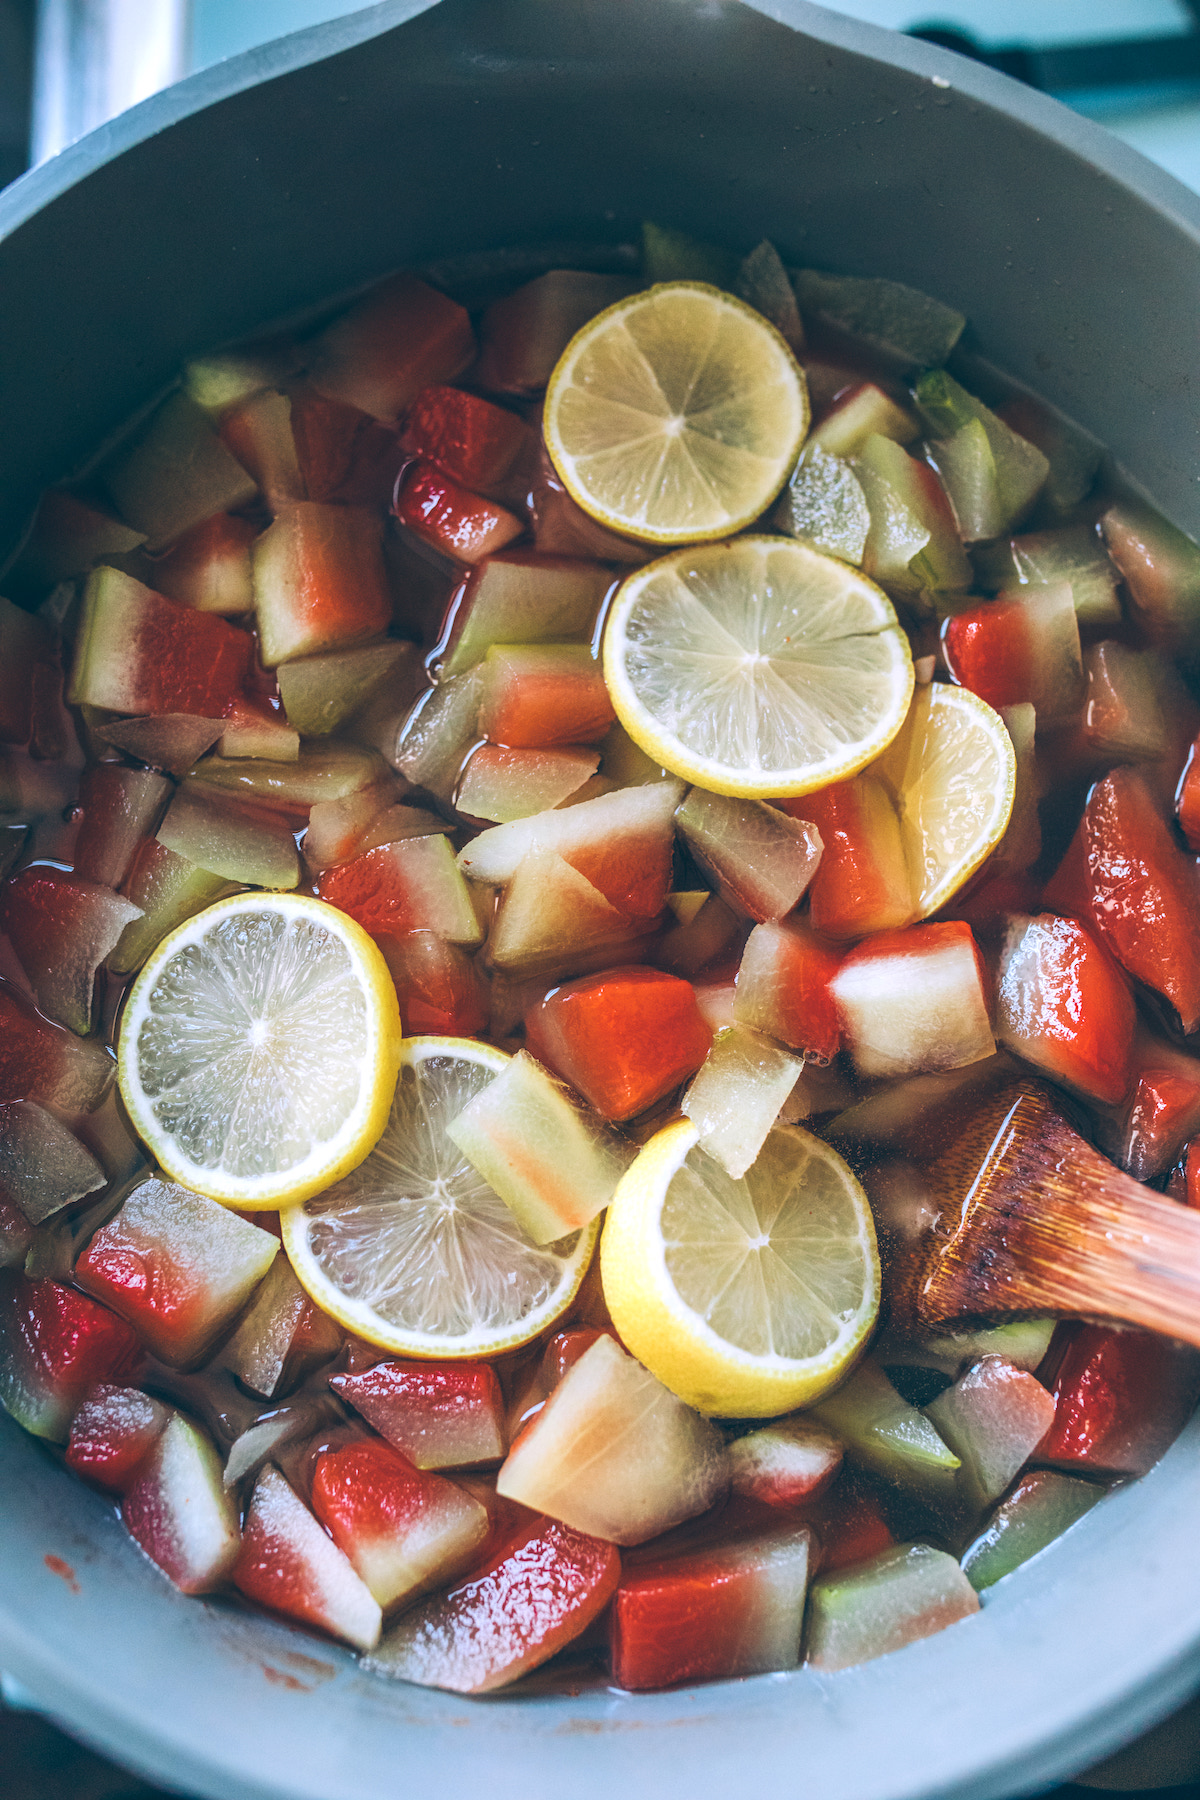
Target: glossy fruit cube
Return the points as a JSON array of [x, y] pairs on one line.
[[503, 785], [282, 1337], [850, 1522], [761, 860], [463, 526], [136, 652], [1133, 705], [624, 1038], [439, 1415], [254, 730], [856, 413], [991, 473], [706, 932], [16, 1235], [724, 1611], [913, 542], [562, 528], [258, 431], [172, 741], [1124, 875], [1163, 1111], [540, 1589], [62, 928], [38, 1061], [882, 1433], [862, 883], [43, 1166], [1161, 570], [1020, 647], [222, 836], [993, 1418], [786, 1463], [176, 474], [1063, 1004], [737, 1093], [1121, 1398], [112, 1433], [914, 1001], [413, 885], [441, 989], [288, 1563], [345, 457], [520, 598], [120, 806], [336, 827], [55, 1345], [319, 581], [320, 693], [524, 334], [209, 567], [876, 1607], [615, 1453], [784, 989], [398, 338], [404, 1529], [537, 695], [551, 920], [478, 444], [180, 1512], [320, 772], [176, 1265], [1040, 1508]]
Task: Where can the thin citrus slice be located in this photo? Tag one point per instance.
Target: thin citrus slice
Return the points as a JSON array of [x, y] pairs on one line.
[[951, 773], [746, 1298], [757, 667], [414, 1251], [258, 1049], [676, 415]]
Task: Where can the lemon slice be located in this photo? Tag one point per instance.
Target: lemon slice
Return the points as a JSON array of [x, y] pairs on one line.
[[258, 1049], [414, 1251], [757, 667], [951, 773], [676, 415], [746, 1298]]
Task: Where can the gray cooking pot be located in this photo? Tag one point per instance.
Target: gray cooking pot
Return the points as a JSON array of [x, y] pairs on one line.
[[407, 133]]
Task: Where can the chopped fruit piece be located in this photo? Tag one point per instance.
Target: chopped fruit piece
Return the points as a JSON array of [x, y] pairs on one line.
[[441, 990], [478, 444], [1023, 1342], [676, 416], [730, 1610], [404, 1530], [120, 807], [825, 506], [319, 581], [385, 1254], [882, 1605], [1021, 845], [287, 1562], [1074, 457], [250, 731], [1064, 1005], [760, 859], [737, 1093], [462, 525], [551, 1160], [541, 1587], [336, 827], [1075, 555], [288, 1082], [138, 653], [258, 431], [783, 989], [439, 734], [849, 1521], [524, 334], [172, 741], [1162, 1115], [624, 1038], [763, 283], [1161, 568], [883, 1433], [1188, 801], [671, 255], [620, 842], [1019, 648], [1124, 875], [43, 1166], [62, 929], [221, 381], [614, 1453], [411, 885], [222, 836], [914, 1001], [704, 931], [1121, 1397], [112, 1433], [561, 528], [177, 1266], [345, 457], [177, 474], [398, 338], [858, 414], [519, 598], [169, 890], [550, 920], [282, 1337], [320, 693], [209, 568], [40, 1062], [787, 1463], [906, 327], [69, 537], [55, 1345], [1040, 1508], [320, 772], [747, 1298], [515, 784], [913, 543], [536, 695], [757, 667], [862, 883], [993, 1418], [179, 1512], [440, 1415], [992, 475]]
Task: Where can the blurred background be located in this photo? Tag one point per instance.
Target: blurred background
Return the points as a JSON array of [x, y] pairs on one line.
[[68, 65]]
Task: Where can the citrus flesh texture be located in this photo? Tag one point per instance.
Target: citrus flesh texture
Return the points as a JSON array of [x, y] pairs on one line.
[[676, 415], [758, 667], [258, 1050], [413, 1250], [750, 1297]]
